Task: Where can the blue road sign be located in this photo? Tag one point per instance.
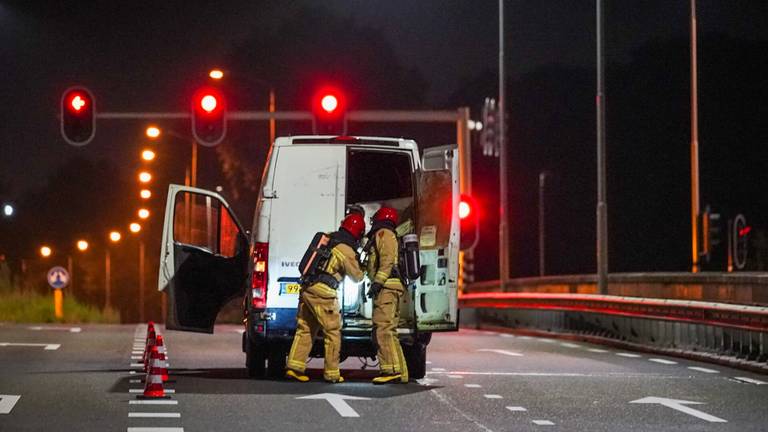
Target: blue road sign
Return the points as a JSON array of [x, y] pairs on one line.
[[58, 277]]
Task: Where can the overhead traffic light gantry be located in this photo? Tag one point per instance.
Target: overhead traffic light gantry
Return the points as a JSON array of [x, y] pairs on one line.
[[78, 116]]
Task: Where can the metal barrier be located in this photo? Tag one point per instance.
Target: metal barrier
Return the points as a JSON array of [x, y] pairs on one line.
[[725, 333]]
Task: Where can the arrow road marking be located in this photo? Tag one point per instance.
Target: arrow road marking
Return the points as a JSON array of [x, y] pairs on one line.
[[502, 352], [680, 405], [47, 347], [7, 402], [338, 402]]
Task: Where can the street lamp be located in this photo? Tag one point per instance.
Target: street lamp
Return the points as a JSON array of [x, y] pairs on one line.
[[148, 155], [45, 251], [8, 210], [145, 193], [114, 237], [216, 74], [134, 227], [143, 213], [82, 245], [153, 132], [145, 177]]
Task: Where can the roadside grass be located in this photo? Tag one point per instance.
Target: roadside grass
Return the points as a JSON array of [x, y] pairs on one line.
[[35, 308]]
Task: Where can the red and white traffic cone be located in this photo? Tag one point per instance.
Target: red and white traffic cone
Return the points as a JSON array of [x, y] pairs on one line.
[[153, 384], [151, 341], [159, 360]]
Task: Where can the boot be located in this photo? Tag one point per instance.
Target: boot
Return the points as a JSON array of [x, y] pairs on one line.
[[385, 379], [296, 376]]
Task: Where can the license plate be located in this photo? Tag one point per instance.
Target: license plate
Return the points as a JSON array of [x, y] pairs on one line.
[[290, 288]]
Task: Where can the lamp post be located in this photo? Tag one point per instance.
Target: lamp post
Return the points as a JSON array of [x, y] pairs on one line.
[[114, 237]]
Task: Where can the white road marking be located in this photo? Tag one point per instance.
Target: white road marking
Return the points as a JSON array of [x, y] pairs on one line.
[[134, 381], [338, 402], [47, 347], [133, 365], [472, 385], [701, 369], [506, 335], [628, 355], [680, 405], [154, 415], [526, 337], [167, 391], [138, 353], [597, 350], [502, 352], [751, 381], [546, 340], [455, 376], [136, 357], [570, 345], [153, 402], [133, 372], [492, 396], [562, 374], [66, 329], [428, 362], [427, 381], [438, 369], [516, 408], [543, 423], [7, 403], [444, 399], [663, 361], [155, 429]]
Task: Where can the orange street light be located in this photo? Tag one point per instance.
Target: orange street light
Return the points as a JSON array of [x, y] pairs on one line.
[[82, 245], [148, 155], [134, 227], [153, 132], [216, 74], [145, 193], [143, 213], [45, 251], [115, 236], [145, 177]]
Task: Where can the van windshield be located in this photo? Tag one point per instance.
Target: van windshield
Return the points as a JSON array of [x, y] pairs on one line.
[[378, 176]]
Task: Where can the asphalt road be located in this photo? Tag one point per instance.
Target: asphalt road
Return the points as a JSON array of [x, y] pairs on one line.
[[69, 380]]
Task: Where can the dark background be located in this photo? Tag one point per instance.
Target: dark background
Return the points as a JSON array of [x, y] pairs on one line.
[[150, 56]]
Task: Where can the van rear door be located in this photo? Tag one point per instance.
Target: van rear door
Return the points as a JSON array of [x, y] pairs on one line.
[[436, 301], [203, 258]]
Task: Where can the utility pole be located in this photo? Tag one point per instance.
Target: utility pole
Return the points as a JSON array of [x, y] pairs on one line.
[[503, 225], [542, 226], [695, 206], [107, 282], [602, 206], [141, 280]]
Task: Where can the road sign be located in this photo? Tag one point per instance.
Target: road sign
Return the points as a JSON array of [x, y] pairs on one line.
[[58, 277]]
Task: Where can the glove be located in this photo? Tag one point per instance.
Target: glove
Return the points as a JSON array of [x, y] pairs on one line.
[[375, 290]]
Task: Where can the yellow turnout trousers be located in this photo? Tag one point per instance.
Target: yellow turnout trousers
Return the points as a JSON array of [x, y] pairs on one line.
[[386, 315], [315, 313]]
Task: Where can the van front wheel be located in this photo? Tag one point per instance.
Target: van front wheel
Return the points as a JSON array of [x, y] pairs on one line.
[[416, 359]]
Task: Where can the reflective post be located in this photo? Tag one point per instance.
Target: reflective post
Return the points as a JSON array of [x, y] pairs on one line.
[[58, 303]]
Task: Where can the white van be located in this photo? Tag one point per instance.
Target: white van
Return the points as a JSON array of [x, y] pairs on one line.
[[308, 184]]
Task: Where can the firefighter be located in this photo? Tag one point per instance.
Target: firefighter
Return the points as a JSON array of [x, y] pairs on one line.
[[386, 291], [319, 307]]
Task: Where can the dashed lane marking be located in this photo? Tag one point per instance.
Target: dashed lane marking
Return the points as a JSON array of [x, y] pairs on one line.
[[701, 369], [492, 396], [153, 402], [570, 345], [136, 357], [506, 335], [444, 399], [438, 369], [154, 414], [561, 374], [455, 376], [543, 423], [7, 402], [472, 385], [597, 350], [526, 337], [136, 365], [500, 351], [66, 329], [663, 361], [428, 362], [155, 429], [134, 381], [628, 355], [516, 408], [751, 381], [545, 340], [46, 347]]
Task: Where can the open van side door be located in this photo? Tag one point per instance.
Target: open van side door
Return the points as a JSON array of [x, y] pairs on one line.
[[436, 300], [203, 258]]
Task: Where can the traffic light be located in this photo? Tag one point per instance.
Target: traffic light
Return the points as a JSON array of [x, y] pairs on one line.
[[469, 219], [78, 120], [710, 232], [489, 135], [740, 242], [329, 110], [209, 117]]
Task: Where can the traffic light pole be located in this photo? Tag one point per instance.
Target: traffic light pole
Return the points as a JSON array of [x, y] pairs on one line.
[[503, 194]]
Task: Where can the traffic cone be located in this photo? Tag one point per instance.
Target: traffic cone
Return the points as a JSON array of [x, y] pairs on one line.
[[153, 385], [158, 358], [151, 341]]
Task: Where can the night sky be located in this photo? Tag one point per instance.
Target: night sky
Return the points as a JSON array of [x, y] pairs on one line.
[[147, 56]]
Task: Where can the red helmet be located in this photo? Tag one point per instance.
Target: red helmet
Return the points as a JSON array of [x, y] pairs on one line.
[[354, 223], [385, 214]]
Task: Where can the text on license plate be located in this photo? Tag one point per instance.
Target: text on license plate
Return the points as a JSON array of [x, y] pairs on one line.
[[289, 288]]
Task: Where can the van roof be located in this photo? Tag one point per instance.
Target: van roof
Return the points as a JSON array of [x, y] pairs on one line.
[[346, 140]]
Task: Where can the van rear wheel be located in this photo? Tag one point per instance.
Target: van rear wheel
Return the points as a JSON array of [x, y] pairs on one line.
[[276, 362], [254, 358], [416, 359]]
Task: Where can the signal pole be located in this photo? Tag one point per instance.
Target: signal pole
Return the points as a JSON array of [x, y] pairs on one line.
[[602, 206], [695, 206], [503, 227]]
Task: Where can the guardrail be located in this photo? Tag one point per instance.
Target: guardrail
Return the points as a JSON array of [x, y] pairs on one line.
[[734, 334]]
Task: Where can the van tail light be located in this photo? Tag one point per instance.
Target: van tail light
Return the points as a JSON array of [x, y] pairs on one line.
[[259, 278]]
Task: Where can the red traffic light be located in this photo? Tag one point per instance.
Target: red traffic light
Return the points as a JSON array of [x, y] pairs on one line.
[[465, 209], [209, 103], [209, 119], [329, 103], [78, 116], [469, 220]]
